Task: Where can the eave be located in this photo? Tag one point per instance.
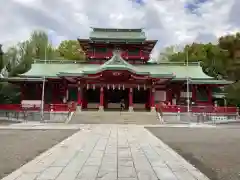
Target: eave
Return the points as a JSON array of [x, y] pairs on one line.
[[204, 81], [22, 79]]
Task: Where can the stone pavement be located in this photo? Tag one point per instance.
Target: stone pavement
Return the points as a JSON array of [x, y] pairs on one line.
[[109, 152]]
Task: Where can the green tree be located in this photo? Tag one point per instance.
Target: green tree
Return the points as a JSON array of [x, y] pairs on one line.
[[231, 65], [220, 61], [18, 60], [167, 53], [41, 47], [2, 62], [210, 56], [70, 49]]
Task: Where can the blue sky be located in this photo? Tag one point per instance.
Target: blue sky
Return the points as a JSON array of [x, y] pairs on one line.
[[193, 6], [171, 22]]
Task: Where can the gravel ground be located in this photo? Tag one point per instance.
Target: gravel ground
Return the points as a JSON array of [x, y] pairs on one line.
[[214, 151], [14, 146]]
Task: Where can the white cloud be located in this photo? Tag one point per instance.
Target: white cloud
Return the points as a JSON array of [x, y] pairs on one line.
[[165, 20]]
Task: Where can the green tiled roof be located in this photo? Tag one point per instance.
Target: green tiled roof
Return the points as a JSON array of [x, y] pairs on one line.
[[117, 34], [210, 81], [115, 63], [176, 71], [49, 69], [29, 79]]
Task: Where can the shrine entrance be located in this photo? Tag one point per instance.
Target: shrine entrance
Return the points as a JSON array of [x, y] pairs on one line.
[[141, 99], [113, 97], [91, 98]]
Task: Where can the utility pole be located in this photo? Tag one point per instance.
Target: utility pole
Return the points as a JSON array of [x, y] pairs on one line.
[[188, 93], [1, 61], [43, 88]]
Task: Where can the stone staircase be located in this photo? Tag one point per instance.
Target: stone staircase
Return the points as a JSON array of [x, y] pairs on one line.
[[94, 117]]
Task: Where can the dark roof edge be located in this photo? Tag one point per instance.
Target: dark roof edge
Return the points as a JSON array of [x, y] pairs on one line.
[[117, 29]]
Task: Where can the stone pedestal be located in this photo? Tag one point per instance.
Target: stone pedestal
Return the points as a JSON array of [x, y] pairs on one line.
[[101, 108], [79, 108], [130, 108], [153, 109]]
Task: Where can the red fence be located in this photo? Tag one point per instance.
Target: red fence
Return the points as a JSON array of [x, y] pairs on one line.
[[166, 108], [47, 107], [199, 109]]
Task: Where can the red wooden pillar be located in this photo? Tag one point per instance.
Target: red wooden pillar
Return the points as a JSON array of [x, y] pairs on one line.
[[53, 93], [209, 95], [152, 96], [101, 104], [130, 98], [194, 93], [22, 92], [79, 97], [169, 96], [38, 91]]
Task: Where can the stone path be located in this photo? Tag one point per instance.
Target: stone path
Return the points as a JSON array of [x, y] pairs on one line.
[[109, 152]]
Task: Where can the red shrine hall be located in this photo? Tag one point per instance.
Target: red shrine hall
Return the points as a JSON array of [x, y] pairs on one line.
[[118, 68]]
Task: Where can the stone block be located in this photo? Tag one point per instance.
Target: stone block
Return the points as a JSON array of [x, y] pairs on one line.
[[126, 172], [107, 175], [88, 172], [50, 173], [164, 173]]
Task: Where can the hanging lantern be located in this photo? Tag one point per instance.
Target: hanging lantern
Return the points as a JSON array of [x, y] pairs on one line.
[[123, 87], [87, 86], [93, 86], [108, 87], [119, 87], [138, 87], [144, 87], [113, 86]]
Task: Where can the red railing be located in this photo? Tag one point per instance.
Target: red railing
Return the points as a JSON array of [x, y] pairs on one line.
[[15, 107], [32, 107], [60, 107], [199, 109]]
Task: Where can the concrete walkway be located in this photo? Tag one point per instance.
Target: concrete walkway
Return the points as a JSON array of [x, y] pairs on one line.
[[109, 152]]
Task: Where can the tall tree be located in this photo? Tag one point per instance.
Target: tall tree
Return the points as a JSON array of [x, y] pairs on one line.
[[220, 61], [231, 45], [18, 59], [1, 60], [70, 49], [166, 53], [41, 47], [231, 65], [210, 56]]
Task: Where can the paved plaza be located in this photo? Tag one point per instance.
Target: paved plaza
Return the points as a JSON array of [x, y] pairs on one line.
[[109, 152]]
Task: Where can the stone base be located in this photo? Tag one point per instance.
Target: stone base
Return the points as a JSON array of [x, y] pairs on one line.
[[79, 108], [153, 109], [101, 108], [130, 108]]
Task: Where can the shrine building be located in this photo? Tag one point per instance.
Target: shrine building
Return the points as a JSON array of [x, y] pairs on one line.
[[117, 68]]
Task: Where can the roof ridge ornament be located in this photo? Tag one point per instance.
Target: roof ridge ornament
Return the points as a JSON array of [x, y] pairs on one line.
[[116, 58], [117, 52]]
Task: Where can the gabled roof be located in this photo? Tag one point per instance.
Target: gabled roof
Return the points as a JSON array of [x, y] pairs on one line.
[[115, 63], [118, 63]]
